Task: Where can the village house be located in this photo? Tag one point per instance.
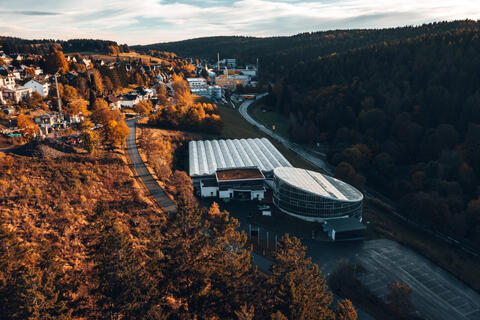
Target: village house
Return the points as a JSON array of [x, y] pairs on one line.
[[16, 94], [40, 86], [114, 102], [7, 81]]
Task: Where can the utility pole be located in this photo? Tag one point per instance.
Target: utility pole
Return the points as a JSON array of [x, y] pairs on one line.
[[58, 96]]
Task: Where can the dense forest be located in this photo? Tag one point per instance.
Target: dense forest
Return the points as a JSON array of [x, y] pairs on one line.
[[276, 54], [404, 116], [12, 45]]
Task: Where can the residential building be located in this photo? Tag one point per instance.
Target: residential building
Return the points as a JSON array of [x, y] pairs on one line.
[[40, 86], [16, 94], [7, 81]]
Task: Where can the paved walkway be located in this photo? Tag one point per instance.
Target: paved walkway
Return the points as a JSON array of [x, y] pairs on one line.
[[157, 192]]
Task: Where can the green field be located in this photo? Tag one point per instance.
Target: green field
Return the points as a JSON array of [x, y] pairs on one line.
[[269, 118], [236, 127]]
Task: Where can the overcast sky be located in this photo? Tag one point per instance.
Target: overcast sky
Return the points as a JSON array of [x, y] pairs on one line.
[[151, 21]]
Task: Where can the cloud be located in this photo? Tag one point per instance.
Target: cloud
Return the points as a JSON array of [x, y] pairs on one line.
[[35, 13], [150, 21]]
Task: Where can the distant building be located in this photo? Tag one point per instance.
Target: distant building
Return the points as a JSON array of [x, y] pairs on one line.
[[230, 81], [229, 63], [40, 86], [7, 80], [196, 82], [210, 92], [46, 122], [16, 94]]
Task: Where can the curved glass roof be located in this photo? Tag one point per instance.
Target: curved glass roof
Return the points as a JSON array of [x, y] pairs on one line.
[[206, 156], [318, 184]]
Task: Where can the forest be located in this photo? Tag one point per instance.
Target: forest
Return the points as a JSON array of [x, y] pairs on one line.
[[401, 116], [277, 54], [11, 45]]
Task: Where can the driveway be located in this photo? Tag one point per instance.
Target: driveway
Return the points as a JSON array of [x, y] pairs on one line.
[[156, 191]]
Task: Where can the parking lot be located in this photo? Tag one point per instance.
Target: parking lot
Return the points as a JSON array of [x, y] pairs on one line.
[[437, 294]]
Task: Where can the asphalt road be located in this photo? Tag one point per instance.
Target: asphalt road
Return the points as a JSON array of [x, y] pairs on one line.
[[287, 143], [156, 191]]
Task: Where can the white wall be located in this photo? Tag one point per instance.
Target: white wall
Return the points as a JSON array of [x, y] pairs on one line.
[[259, 193], [38, 87], [208, 191], [226, 194]]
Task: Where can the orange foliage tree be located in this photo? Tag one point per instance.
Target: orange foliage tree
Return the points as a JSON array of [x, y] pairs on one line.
[[27, 126]]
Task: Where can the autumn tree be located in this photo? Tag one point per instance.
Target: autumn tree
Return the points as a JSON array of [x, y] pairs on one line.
[[99, 104], [91, 140], [34, 101], [399, 300], [77, 106], [345, 310], [31, 285], [115, 133], [68, 93], [181, 91], [55, 61], [97, 81], [295, 286], [27, 126], [144, 107]]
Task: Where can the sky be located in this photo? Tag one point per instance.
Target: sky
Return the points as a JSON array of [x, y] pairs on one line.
[[152, 21]]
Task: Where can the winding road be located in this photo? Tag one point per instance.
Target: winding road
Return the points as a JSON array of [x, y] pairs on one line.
[[243, 109], [156, 191]]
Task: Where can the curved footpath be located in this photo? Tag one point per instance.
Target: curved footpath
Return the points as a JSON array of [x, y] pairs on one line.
[[157, 192]]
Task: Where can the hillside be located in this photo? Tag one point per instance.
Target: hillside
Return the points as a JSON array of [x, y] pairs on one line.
[[11, 45], [277, 54], [402, 116]]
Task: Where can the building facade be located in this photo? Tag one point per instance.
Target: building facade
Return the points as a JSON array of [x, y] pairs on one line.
[[239, 184], [312, 196], [42, 87]]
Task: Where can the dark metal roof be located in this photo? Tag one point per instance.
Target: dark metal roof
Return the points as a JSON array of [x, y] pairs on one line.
[[345, 224]]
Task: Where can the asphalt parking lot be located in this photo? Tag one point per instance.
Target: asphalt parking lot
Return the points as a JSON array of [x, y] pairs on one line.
[[437, 294]]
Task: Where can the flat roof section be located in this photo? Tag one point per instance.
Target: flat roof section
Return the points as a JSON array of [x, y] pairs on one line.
[[207, 156], [318, 184], [345, 224], [239, 174]]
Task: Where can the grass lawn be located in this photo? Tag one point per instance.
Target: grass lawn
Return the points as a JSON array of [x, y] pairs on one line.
[[236, 127], [269, 118]]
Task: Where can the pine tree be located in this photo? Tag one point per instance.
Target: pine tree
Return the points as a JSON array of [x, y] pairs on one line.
[[31, 285], [296, 286], [122, 288], [345, 310]]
